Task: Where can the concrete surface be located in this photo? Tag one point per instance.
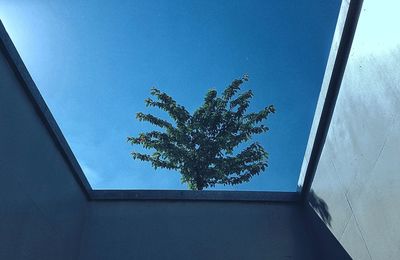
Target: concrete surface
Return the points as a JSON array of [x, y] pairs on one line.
[[205, 230], [358, 173]]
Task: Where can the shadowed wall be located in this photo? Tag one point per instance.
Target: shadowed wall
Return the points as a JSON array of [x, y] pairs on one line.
[[42, 208]]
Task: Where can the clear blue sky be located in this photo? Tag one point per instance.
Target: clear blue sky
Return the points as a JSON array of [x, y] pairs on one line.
[[95, 61]]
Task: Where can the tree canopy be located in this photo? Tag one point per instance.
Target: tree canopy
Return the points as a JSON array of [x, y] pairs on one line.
[[201, 146]]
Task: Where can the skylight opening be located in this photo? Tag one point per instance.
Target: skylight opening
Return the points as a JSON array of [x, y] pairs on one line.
[[95, 66]]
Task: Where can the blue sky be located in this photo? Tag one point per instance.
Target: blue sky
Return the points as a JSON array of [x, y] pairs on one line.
[[94, 62]]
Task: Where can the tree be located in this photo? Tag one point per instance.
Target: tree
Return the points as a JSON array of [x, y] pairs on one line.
[[201, 146]]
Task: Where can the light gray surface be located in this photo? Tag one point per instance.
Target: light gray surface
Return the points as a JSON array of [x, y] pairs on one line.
[[358, 173], [42, 208]]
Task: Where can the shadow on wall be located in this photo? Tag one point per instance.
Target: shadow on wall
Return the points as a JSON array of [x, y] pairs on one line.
[[320, 206]]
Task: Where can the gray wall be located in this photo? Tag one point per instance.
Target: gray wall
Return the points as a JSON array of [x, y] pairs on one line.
[[42, 208], [357, 183], [205, 230]]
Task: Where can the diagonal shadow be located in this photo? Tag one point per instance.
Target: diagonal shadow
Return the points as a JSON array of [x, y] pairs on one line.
[[320, 206]]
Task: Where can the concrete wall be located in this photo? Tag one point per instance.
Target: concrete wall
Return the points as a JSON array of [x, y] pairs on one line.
[[357, 183], [42, 208], [206, 230]]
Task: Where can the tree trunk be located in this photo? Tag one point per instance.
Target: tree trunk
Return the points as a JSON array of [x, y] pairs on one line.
[[199, 187], [199, 183]]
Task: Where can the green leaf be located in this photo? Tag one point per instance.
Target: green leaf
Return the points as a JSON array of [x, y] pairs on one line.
[[202, 146]]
